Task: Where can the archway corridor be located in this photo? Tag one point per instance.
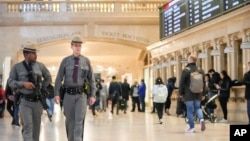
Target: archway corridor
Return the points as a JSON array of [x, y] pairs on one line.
[[108, 56]]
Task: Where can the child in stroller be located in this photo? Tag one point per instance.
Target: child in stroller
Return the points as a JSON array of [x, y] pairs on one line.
[[207, 105]]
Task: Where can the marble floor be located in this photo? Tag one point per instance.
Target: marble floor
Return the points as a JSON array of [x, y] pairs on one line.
[[132, 126]]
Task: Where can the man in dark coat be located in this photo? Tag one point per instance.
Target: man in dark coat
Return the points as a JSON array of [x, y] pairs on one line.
[[116, 92], [125, 93], [246, 81]]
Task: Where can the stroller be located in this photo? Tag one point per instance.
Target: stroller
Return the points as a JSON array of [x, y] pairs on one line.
[[208, 104]]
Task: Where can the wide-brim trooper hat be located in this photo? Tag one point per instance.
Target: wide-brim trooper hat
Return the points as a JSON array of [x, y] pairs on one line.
[[77, 39], [29, 46]]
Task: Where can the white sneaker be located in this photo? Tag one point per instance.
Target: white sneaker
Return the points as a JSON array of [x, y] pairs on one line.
[[189, 130], [223, 121], [160, 121]]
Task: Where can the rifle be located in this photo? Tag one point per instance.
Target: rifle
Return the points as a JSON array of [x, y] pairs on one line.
[[41, 93]]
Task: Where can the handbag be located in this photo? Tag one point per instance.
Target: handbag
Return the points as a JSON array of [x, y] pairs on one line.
[[112, 96]]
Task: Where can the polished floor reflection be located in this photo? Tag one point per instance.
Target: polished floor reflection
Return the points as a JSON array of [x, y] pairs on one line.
[[122, 127]]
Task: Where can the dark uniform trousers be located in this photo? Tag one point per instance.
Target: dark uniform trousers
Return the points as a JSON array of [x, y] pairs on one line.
[[75, 107], [31, 113]]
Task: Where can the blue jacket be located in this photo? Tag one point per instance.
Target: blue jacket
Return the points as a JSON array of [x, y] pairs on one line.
[[142, 89]]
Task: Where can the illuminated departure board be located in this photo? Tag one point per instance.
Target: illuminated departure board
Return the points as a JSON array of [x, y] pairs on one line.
[[175, 16], [179, 15], [200, 10], [229, 4]]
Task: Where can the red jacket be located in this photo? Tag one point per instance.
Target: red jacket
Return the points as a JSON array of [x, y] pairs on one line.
[[2, 92]]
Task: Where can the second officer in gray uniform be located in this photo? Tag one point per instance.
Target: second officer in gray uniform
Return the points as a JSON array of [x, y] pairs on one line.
[[24, 76], [75, 72]]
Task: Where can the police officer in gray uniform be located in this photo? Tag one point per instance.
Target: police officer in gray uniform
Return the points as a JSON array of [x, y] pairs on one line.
[[24, 77], [76, 73]]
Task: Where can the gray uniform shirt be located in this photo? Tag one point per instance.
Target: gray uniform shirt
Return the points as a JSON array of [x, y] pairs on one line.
[[19, 74], [65, 74]]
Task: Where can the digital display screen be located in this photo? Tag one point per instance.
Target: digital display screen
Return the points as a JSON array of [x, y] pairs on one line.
[[174, 17], [200, 10], [210, 8], [178, 15], [229, 4]]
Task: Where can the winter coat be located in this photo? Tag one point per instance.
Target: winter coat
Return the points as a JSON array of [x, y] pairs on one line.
[[185, 84]]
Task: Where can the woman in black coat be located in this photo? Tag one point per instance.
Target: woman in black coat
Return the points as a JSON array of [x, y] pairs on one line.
[[171, 86], [224, 88]]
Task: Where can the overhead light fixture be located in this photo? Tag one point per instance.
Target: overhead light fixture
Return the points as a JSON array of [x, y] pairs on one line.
[[215, 52], [202, 55], [245, 45], [229, 49]]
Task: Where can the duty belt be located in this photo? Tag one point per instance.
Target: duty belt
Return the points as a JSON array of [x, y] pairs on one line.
[[74, 91], [30, 97]]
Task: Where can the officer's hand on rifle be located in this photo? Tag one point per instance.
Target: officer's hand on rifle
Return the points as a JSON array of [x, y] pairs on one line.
[[57, 99], [28, 85]]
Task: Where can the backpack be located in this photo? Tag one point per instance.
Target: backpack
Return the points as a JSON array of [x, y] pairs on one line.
[[160, 96], [196, 81]]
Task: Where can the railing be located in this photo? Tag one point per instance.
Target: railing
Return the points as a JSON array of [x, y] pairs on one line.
[[90, 6]]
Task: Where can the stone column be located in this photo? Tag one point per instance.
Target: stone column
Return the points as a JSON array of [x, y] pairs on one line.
[[184, 57], [6, 70], [169, 68], [178, 70], [231, 58], [203, 58], [154, 69], [163, 69], [207, 61], [245, 51]]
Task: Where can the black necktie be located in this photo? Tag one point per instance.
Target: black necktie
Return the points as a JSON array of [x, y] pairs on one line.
[[75, 72], [30, 67], [31, 75]]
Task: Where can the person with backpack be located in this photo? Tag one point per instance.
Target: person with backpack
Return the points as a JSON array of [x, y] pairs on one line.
[[246, 81], [160, 94], [224, 89], [192, 90]]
